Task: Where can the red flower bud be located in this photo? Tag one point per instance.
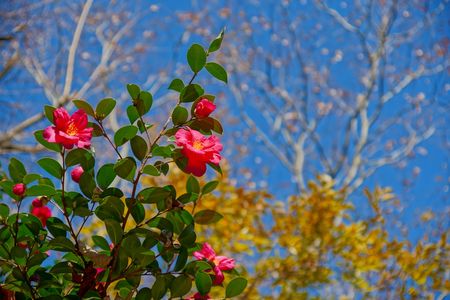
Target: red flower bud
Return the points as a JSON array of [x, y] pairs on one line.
[[19, 189], [76, 174], [204, 108]]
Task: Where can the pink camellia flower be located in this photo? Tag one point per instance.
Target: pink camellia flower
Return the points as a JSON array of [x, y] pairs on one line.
[[198, 149], [76, 173], [41, 211], [221, 263], [198, 296], [19, 189], [204, 108], [69, 130]]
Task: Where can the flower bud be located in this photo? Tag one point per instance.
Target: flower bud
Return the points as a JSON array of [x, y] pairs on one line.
[[204, 108], [76, 174], [19, 189]]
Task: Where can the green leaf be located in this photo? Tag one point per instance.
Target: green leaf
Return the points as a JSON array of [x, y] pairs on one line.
[[217, 42], [51, 166], [153, 194], [40, 190], [51, 146], [144, 102], [180, 286], [163, 151], [4, 211], [151, 170], [207, 216], [235, 287], [57, 227], [176, 85], [159, 288], [203, 282], [216, 168], [133, 90], [48, 111], [217, 71], [29, 178], [144, 294], [191, 92], [87, 184], [105, 176], [209, 187], [86, 107], [206, 125], [196, 57], [101, 242], [132, 114], [112, 208], [16, 170], [104, 108], [81, 157], [138, 212], [187, 236], [192, 185], [124, 134], [125, 168], [62, 244], [179, 115], [114, 230], [19, 255], [181, 260], [139, 147]]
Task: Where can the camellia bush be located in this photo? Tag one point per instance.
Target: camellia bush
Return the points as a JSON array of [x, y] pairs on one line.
[[151, 249]]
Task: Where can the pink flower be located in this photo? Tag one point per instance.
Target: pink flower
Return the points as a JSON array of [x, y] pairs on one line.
[[69, 130], [221, 263], [198, 296], [204, 108], [19, 189], [198, 149], [41, 211], [76, 173]]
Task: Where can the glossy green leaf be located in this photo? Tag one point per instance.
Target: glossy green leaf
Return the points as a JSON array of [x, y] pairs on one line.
[[81, 157], [235, 287], [176, 85], [132, 114], [40, 190], [191, 92], [180, 286], [16, 170], [139, 147], [207, 216], [216, 43], [209, 187], [104, 108], [203, 282], [105, 176], [87, 184], [196, 57], [124, 134], [144, 102], [114, 230], [125, 168], [51, 166], [133, 90], [159, 288], [217, 71], [62, 244], [86, 107], [151, 170], [48, 111], [192, 185], [101, 242], [179, 115]]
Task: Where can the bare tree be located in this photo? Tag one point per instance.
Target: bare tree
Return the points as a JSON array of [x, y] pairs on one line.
[[340, 90], [62, 51]]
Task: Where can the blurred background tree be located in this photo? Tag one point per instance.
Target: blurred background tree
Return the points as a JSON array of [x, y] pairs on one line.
[[356, 90]]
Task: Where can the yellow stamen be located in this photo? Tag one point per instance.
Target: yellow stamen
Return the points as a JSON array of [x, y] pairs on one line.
[[72, 129], [197, 145]]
